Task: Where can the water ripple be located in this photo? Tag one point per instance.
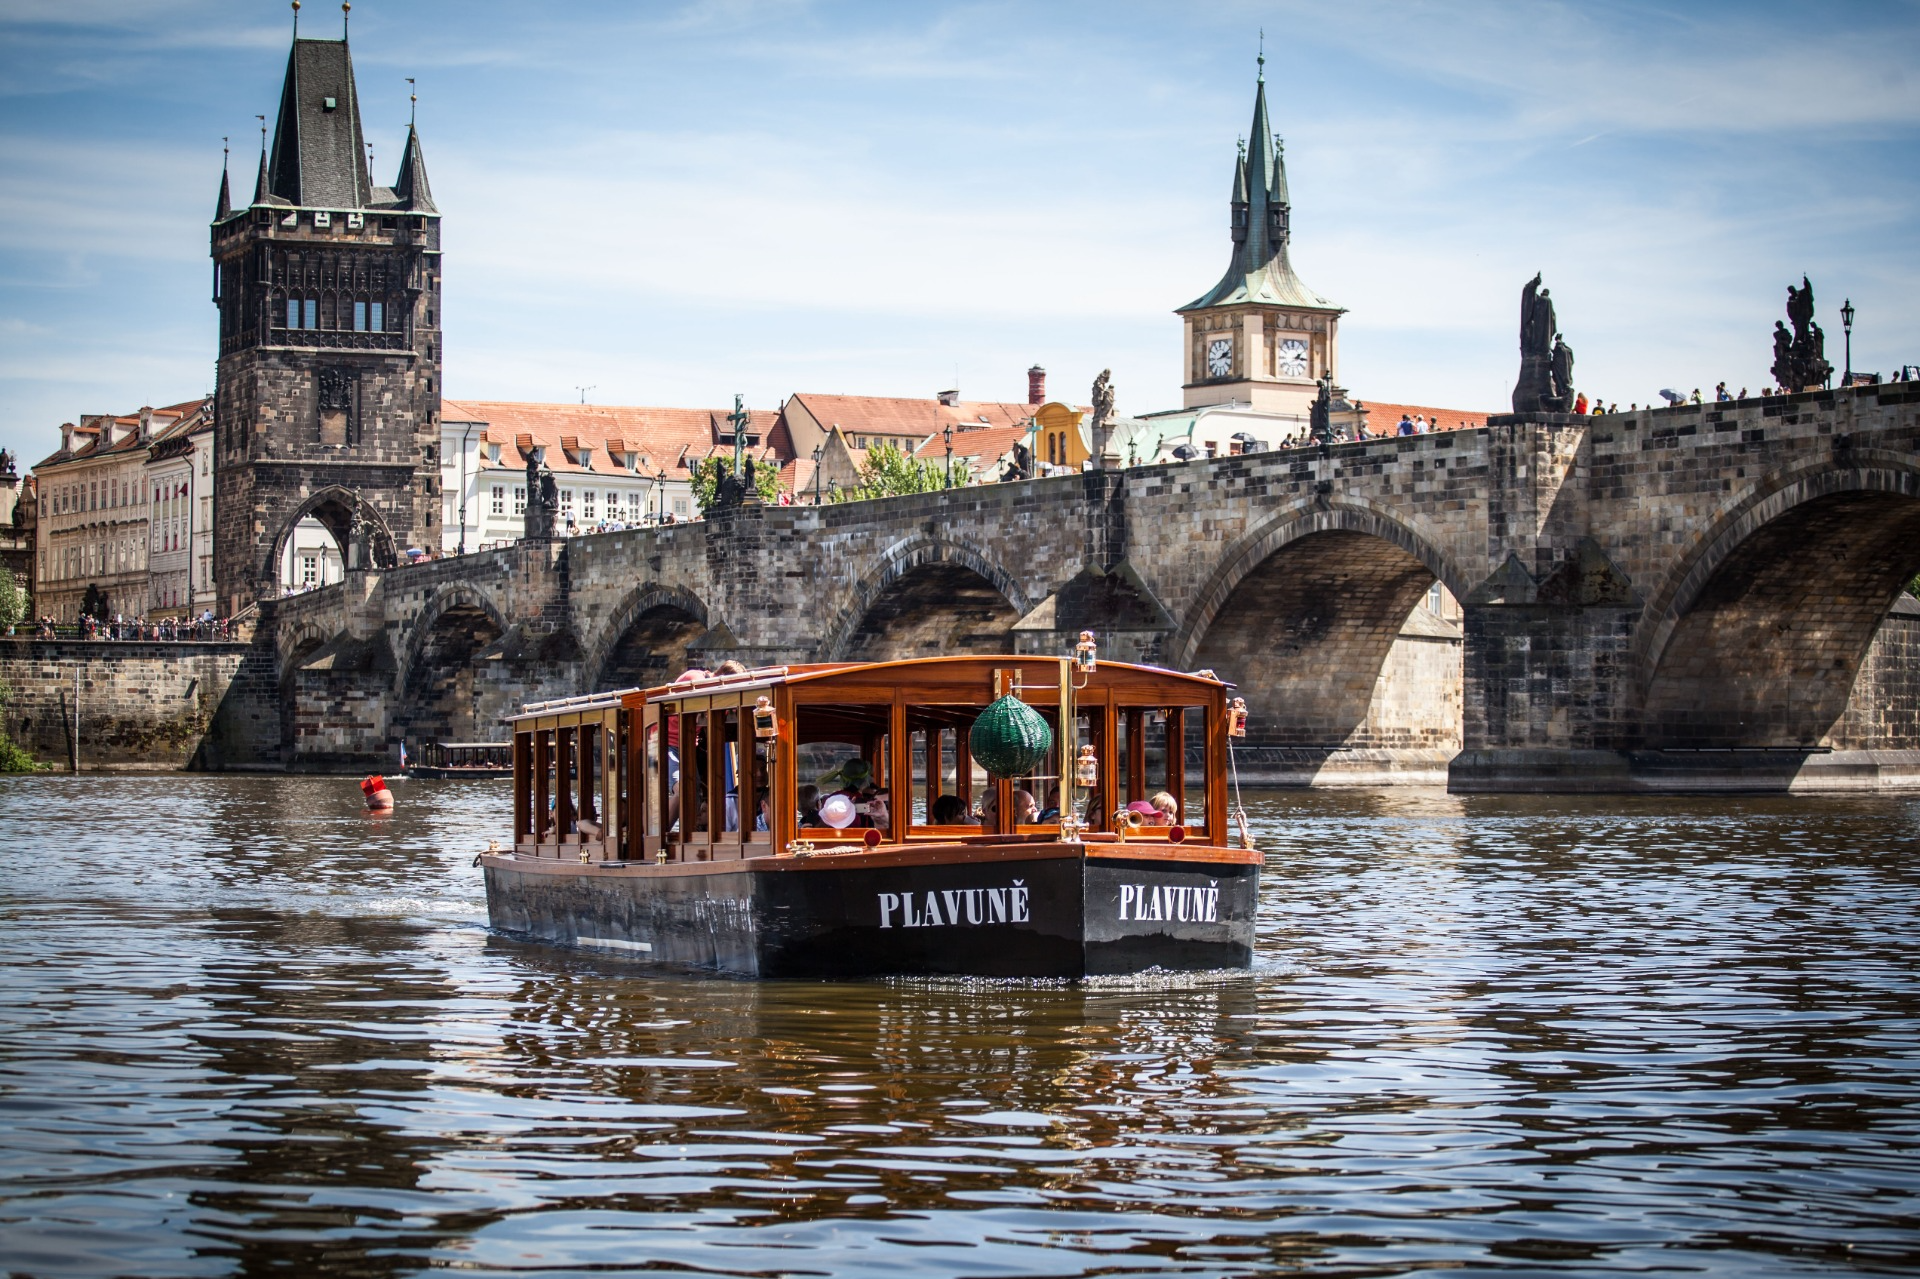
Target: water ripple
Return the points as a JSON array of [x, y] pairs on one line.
[[250, 1030]]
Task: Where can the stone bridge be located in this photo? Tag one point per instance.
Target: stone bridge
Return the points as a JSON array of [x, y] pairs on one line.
[[1690, 597]]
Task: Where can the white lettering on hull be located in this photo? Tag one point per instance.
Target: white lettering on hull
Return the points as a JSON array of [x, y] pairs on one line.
[[950, 907], [617, 943], [1170, 903]]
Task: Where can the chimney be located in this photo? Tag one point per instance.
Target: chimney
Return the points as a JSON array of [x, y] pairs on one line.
[[146, 423], [66, 437], [1036, 385], [948, 398]]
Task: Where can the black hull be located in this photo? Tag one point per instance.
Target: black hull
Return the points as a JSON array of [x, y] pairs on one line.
[[438, 771], [1002, 913]]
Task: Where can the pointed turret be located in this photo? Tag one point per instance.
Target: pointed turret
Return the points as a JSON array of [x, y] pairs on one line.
[[319, 153], [410, 189], [223, 207], [263, 185], [1262, 225]]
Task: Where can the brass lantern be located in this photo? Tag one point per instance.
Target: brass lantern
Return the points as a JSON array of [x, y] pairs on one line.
[[764, 724], [1086, 769], [1085, 654], [1237, 718]]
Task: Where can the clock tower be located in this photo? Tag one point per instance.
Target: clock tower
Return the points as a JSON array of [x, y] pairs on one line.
[[1260, 336]]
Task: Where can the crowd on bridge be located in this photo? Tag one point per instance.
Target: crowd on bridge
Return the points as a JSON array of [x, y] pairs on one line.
[[181, 630]]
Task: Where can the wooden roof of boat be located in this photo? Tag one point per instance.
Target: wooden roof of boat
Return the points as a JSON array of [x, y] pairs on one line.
[[901, 673]]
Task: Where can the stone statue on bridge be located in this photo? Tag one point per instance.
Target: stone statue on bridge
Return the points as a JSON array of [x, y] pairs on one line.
[[1320, 417], [543, 500], [1546, 361], [1800, 357], [1102, 430]]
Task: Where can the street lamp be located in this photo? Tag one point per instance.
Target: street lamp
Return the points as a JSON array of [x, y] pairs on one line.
[[816, 473], [948, 432], [1846, 322], [660, 493]]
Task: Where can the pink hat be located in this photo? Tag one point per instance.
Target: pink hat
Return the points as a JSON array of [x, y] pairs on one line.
[[1142, 807]]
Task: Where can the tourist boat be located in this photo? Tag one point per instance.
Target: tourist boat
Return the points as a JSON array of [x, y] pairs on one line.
[[464, 759], [814, 821]]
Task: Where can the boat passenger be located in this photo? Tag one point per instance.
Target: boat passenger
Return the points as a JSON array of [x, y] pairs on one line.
[[1141, 813], [1166, 810], [951, 810], [809, 797], [1051, 813], [854, 779], [1025, 811]]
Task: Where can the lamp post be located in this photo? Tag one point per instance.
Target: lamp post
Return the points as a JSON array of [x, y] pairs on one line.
[[660, 495], [948, 432], [1846, 323], [461, 548], [816, 473]]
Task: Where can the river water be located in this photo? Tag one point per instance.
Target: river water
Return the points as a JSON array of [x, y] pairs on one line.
[[247, 1029]]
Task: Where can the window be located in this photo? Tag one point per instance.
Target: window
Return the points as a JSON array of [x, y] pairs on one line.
[[680, 506], [566, 503], [379, 317], [636, 505], [586, 505], [311, 313], [293, 313], [520, 500], [309, 570], [499, 500], [359, 317]]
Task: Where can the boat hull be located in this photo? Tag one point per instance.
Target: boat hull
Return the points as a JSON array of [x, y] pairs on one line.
[[1056, 910]]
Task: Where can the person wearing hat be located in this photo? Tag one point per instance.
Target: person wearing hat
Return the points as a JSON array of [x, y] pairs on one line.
[[854, 779]]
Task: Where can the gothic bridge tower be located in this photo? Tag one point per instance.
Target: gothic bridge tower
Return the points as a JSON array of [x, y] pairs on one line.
[[328, 393], [1260, 336]]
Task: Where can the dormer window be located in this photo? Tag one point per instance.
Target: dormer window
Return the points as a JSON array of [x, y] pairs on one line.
[[322, 217]]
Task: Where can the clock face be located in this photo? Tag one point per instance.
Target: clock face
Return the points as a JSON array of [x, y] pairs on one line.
[[1293, 358], [1220, 357]]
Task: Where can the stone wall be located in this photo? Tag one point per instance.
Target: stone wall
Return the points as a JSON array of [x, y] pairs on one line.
[[1884, 713], [149, 706]]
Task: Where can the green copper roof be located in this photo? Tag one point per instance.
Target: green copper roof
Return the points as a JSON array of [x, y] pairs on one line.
[[1262, 228]]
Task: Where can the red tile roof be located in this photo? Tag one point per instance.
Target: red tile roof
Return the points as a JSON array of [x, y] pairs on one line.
[[662, 436], [1384, 419], [913, 418]]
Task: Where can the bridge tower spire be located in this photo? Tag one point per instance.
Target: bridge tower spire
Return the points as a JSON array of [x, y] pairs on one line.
[[1260, 336]]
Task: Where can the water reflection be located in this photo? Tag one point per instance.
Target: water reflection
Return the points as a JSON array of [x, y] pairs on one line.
[[250, 1032]]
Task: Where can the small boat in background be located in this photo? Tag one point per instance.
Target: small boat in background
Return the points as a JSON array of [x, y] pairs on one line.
[[463, 759]]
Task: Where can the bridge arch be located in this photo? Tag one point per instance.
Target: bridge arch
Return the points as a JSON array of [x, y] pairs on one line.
[[1326, 617], [1756, 637], [335, 508], [929, 596], [645, 642], [439, 692]]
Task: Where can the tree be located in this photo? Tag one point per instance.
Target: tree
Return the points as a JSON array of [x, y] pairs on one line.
[[888, 472], [94, 603], [13, 600], [704, 474], [1913, 587], [12, 758]]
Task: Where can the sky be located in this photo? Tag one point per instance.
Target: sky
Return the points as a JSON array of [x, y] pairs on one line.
[[670, 203]]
